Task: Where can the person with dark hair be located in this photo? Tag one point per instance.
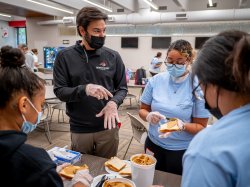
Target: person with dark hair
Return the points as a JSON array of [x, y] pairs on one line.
[[21, 102], [91, 79], [169, 95], [155, 65], [219, 155]]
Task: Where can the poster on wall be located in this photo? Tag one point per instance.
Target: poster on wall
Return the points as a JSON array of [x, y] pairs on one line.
[[5, 32]]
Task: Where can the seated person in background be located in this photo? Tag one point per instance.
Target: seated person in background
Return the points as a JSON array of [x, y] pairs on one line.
[[169, 94], [22, 97], [155, 64], [219, 155]]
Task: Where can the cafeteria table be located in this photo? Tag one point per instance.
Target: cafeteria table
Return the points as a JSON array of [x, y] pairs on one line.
[[96, 167]]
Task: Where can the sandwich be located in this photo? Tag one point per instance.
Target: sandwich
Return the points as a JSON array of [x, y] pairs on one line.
[[125, 171], [116, 184], [70, 171], [170, 126], [115, 164]]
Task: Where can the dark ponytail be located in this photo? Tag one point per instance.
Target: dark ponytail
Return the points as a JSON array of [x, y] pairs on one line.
[[241, 64], [15, 77]]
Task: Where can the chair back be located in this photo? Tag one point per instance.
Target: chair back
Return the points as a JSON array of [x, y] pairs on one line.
[[139, 130]]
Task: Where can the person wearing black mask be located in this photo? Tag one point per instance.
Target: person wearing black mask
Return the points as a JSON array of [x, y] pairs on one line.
[[91, 79], [219, 155]]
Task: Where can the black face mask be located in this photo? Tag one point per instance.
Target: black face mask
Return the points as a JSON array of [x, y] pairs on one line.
[[214, 111], [94, 42]]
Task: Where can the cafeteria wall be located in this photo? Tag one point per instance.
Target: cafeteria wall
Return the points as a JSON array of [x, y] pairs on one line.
[[40, 36], [11, 38]]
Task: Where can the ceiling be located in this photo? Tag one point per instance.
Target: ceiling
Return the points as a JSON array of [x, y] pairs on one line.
[[24, 8]]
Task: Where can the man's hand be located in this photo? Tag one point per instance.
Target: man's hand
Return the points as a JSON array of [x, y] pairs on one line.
[[97, 91], [110, 115]]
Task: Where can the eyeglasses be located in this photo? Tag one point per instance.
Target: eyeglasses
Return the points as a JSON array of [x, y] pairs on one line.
[[177, 63], [198, 93]]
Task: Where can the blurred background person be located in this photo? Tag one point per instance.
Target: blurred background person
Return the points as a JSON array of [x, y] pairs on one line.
[[155, 65], [29, 59], [169, 94], [21, 103], [219, 155], [35, 56]]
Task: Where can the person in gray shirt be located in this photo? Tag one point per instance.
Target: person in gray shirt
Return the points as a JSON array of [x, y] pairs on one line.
[[29, 59]]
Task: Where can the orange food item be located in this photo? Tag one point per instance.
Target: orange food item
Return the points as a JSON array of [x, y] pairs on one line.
[[71, 170], [170, 126], [143, 160]]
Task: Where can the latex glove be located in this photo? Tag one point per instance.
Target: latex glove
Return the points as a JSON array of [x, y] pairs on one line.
[[110, 115], [60, 167], [82, 176], [97, 91], [154, 117], [181, 125]]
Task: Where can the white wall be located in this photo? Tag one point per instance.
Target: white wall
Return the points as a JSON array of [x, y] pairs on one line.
[[11, 39], [41, 36]]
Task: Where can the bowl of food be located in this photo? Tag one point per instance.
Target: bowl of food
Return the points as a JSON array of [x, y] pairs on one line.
[[118, 182]]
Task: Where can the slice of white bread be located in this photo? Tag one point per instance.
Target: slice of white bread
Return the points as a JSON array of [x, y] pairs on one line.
[[125, 171], [170, 126], [115, 164], [70, 171]]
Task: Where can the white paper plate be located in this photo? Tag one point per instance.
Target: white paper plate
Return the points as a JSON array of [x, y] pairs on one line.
[[99, 177], [128, 164]]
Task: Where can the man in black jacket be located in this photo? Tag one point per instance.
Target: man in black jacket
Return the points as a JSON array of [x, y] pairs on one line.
[[91, 79]]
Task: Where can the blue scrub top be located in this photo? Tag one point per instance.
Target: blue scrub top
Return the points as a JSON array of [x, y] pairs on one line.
[[174, 100], [219, 155]]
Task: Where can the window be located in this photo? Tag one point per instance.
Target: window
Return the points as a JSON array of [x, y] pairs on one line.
[[199, 41], [129, 42], [161, 42], [21, 35]]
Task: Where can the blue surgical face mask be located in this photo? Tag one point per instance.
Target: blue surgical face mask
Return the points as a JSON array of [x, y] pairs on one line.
[[27, 126], [176, 72]]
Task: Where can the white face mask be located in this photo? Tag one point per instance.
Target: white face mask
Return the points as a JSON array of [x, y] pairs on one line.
[[27, 126]]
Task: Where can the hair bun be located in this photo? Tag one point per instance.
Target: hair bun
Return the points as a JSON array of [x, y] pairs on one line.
[[11, 57]]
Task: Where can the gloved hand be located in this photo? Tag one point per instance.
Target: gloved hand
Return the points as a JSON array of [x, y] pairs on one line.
[[180, 124], [154, 117], [60, 167], [110, 115], [97, 91], [82, 176]]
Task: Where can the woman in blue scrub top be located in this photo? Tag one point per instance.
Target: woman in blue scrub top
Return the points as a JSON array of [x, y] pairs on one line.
[[169, 94], [219, 155]]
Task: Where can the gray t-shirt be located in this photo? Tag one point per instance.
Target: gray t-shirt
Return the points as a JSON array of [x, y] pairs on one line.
[[29, 60]]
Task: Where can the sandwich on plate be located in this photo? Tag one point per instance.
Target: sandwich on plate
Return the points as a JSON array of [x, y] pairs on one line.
[[115, 164]]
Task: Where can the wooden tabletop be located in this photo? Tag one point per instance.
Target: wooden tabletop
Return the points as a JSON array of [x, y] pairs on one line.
[[96, 167]]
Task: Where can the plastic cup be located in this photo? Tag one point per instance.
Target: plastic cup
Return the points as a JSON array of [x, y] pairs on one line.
[[142, 175]]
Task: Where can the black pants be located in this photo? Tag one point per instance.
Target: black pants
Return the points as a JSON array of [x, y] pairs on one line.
[[167, 160]]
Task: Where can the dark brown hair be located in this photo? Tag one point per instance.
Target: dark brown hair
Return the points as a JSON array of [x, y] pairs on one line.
[[224, 61], [88, 14], [15, 77], [182, 46], [158, 54]]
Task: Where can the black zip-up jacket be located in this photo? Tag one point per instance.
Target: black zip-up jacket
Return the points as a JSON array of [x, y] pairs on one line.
[[23, 165], [76, 67]]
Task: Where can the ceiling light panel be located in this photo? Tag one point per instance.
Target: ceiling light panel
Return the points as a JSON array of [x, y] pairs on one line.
[[49, 6], [98, 5]]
